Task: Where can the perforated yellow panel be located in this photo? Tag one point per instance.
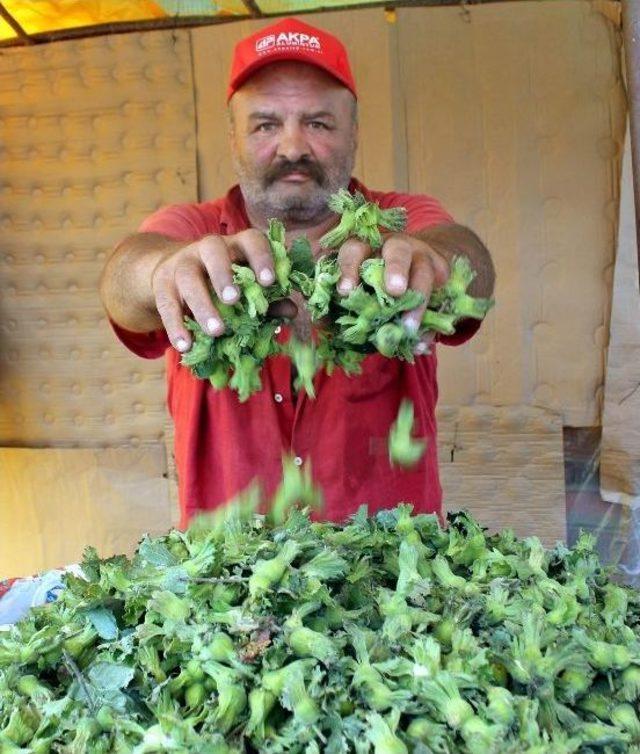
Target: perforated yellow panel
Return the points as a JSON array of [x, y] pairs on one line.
[[94, 135]]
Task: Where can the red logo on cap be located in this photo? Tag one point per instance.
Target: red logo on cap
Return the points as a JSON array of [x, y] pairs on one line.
[[266, 43]]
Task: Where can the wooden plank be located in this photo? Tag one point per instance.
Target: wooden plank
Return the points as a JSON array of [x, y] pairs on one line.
[[631, 31]]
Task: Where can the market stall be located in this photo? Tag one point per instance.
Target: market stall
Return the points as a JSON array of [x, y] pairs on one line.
[[515, 114]]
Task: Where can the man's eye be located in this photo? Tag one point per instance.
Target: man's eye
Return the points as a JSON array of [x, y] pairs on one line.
[[264, 127], [318, 125]]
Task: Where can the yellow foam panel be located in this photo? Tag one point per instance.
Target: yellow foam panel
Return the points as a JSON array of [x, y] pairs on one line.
[[96, 134]]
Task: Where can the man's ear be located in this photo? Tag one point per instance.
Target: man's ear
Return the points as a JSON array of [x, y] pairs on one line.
[[231, 123], [231, 131], [356, 134], [355, 122]]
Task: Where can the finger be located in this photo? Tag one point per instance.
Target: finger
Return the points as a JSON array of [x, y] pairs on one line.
[[352, 254], [441, 268], [169, 308], [193, 290], [397, 254], [421, 279], [255, 248], [422, 347], [215, 255], [284, 308], [422, 275]]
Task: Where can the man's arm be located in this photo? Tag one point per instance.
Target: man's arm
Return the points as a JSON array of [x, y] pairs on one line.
[[451, 240], [421, 261], [126, 282], [151, 281]]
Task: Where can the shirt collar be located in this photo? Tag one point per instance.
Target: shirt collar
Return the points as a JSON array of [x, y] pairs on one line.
[[233, 215]]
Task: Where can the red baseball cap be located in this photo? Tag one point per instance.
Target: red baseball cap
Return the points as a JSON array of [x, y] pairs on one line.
[[290, 39]]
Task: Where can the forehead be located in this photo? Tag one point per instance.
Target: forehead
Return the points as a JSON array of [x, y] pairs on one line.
[[291, 86]]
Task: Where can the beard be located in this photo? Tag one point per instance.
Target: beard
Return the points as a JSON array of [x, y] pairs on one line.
[[293, 203]]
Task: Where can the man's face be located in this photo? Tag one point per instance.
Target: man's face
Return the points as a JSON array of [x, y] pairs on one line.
[[293, 139]]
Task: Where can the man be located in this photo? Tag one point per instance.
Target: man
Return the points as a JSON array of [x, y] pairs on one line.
[[293, 132]]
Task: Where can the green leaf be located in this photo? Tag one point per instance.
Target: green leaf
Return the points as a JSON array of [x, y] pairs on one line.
[[302, 256], [156, 553], [104, 623], [110, 676]]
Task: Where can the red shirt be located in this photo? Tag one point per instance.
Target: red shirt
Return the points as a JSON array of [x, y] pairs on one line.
[[221, 445]]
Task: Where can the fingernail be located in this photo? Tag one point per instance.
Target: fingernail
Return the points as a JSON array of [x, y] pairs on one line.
[[214, 326], [229, 294], [345, 286], [266, 276], [411, 324], [182, 345], [397, 281], [420, 349]]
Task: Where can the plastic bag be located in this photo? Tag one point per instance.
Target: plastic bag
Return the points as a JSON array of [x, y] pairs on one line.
[[23, 594]]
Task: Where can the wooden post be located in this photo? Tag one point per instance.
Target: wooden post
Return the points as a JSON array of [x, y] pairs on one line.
[[631, 30], [22, 34]]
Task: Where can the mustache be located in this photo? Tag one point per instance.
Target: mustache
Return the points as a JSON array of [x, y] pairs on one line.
[[303, 165]]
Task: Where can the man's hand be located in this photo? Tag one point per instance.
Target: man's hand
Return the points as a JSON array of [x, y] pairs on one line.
[[183, 279], [410, 262]]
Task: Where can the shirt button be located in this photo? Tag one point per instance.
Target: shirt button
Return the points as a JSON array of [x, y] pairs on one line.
[[298, 461], [278, 398]]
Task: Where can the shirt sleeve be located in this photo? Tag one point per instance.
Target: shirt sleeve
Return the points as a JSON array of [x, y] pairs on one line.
[[422, 211], [148, 345], [181, 222]]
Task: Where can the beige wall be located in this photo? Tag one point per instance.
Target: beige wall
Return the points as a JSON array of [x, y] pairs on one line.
[[511, 113], [527, 152]]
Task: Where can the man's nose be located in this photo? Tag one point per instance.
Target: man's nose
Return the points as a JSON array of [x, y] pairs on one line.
[[293, 144]]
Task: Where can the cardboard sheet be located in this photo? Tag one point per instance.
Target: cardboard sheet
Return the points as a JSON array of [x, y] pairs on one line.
[[54, 502], [620, 450], [512, 115], [505, 466]]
